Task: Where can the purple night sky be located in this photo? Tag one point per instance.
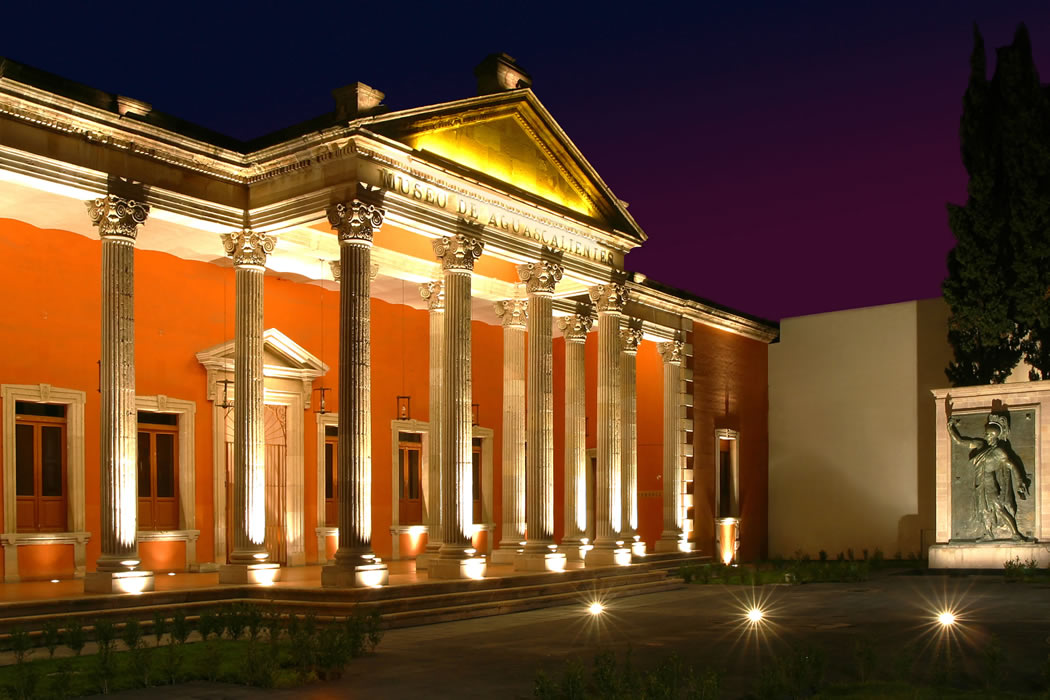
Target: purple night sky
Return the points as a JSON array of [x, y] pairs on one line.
[[784, 158]]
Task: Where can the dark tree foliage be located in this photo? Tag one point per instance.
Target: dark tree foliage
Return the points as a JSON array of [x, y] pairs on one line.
[[998, 285]]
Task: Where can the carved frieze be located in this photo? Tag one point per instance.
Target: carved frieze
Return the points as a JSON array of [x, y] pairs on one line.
[[576, 326], [609, 298], [355, 221], [513, 312], [248, 248], [458, 252], [116, 217]]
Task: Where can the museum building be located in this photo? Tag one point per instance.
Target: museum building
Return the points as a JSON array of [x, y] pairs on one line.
[[373, 336]]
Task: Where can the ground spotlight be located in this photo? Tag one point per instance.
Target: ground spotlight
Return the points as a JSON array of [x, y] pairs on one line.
[[595, 608], [946, 618], [755, 616]]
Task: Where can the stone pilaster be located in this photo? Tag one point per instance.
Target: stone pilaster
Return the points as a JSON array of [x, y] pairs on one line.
[[513, 313], [574, 329], [355, 564], [248, 559], [671, 539], [117, 220], [434, 295], [457, 556], [540, 552], [630, 337], [609, 300]]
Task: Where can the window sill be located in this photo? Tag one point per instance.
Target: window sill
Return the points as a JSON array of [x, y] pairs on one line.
[[21, 539], [167, 535]]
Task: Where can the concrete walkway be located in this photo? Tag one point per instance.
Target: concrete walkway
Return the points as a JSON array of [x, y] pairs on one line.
[[497, 657]]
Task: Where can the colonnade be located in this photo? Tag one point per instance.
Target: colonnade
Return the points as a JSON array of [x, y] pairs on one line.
[[528, 413]]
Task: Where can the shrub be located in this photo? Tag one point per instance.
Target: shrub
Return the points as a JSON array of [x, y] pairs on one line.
[[74, 637], [105, 664], [26, 674], [51, 637], [138, 660], [160, 627], [374, 628]]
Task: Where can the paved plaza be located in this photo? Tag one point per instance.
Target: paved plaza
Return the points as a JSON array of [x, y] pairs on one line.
[[497, 657]]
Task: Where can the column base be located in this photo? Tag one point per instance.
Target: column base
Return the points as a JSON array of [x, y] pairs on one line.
[[249, 574], [454, 568], [428, 555], [540, 561], [608, 556], [359, 576], [506, 554], [573, 549], [674, 543], [638, 548], [133, 582]]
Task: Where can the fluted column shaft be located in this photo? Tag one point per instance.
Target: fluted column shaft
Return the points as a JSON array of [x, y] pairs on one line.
[[434, 294], [672, 468], [629, 339], [539, 469], [457, 254], [574, 329], [117, 220], [248, 250], [609, 300], [513, 313]]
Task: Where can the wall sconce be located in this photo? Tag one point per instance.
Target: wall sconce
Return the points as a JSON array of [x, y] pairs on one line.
[[404, 407], [322, 408], [475, 411], [226, 402]]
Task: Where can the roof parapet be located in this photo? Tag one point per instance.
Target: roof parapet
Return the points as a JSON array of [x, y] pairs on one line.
[[499, 72], [357, 100]]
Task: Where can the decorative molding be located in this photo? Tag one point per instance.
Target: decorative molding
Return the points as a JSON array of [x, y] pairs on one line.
[[355, 221], [248, 248], [540, 277], [116, 217], [575, 327], [671, 351], [609, 298], [513, 312], [75, 488], [458, 252], [433, 293]]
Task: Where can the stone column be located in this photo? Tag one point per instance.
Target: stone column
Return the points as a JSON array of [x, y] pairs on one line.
[[457, 556], [672, 539], [249, 560], [574, 329], [513, 313], [540, 552], [355, 564], [117, 220], [609, 300], [629, 339], [434, 294]]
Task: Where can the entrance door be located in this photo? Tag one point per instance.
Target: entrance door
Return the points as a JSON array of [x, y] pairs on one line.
[[275, 428]]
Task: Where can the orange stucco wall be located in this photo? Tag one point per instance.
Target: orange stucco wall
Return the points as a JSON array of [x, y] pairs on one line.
[[730, 391]]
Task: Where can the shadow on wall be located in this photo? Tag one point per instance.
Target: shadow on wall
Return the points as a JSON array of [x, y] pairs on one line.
[[835, 514]]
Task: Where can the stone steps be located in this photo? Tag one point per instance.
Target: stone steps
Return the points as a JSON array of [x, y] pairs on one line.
[[400, 606]]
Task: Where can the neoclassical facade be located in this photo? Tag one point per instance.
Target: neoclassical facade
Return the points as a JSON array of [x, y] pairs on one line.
[[376, 335]]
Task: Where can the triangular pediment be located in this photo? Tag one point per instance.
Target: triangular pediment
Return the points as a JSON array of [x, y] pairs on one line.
[[509, 140], [282, 357]]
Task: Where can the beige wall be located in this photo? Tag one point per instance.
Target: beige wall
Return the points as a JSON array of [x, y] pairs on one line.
[[851, 433]]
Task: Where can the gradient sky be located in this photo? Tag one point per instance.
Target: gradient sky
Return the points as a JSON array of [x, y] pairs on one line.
[[784, 158]]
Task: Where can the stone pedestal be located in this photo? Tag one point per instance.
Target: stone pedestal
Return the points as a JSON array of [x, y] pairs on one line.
[[118, 582], [513, 314], [972, 531], [574, 329], [540, 552], [355, 564], [263, 574]]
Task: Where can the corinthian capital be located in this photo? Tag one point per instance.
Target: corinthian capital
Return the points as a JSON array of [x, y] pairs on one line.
[[671, 351], [248, 248], [337, 271], [355, 221], [609, 298], [629, 339], [433, 294], [576, 326], [540, 277], [458, 252], [116, 217], [513, 312]]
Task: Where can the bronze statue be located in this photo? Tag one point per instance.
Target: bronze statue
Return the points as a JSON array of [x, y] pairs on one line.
[[997, 475]]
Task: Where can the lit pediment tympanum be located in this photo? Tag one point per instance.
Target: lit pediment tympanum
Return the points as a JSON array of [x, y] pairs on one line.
[[511, 142]]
